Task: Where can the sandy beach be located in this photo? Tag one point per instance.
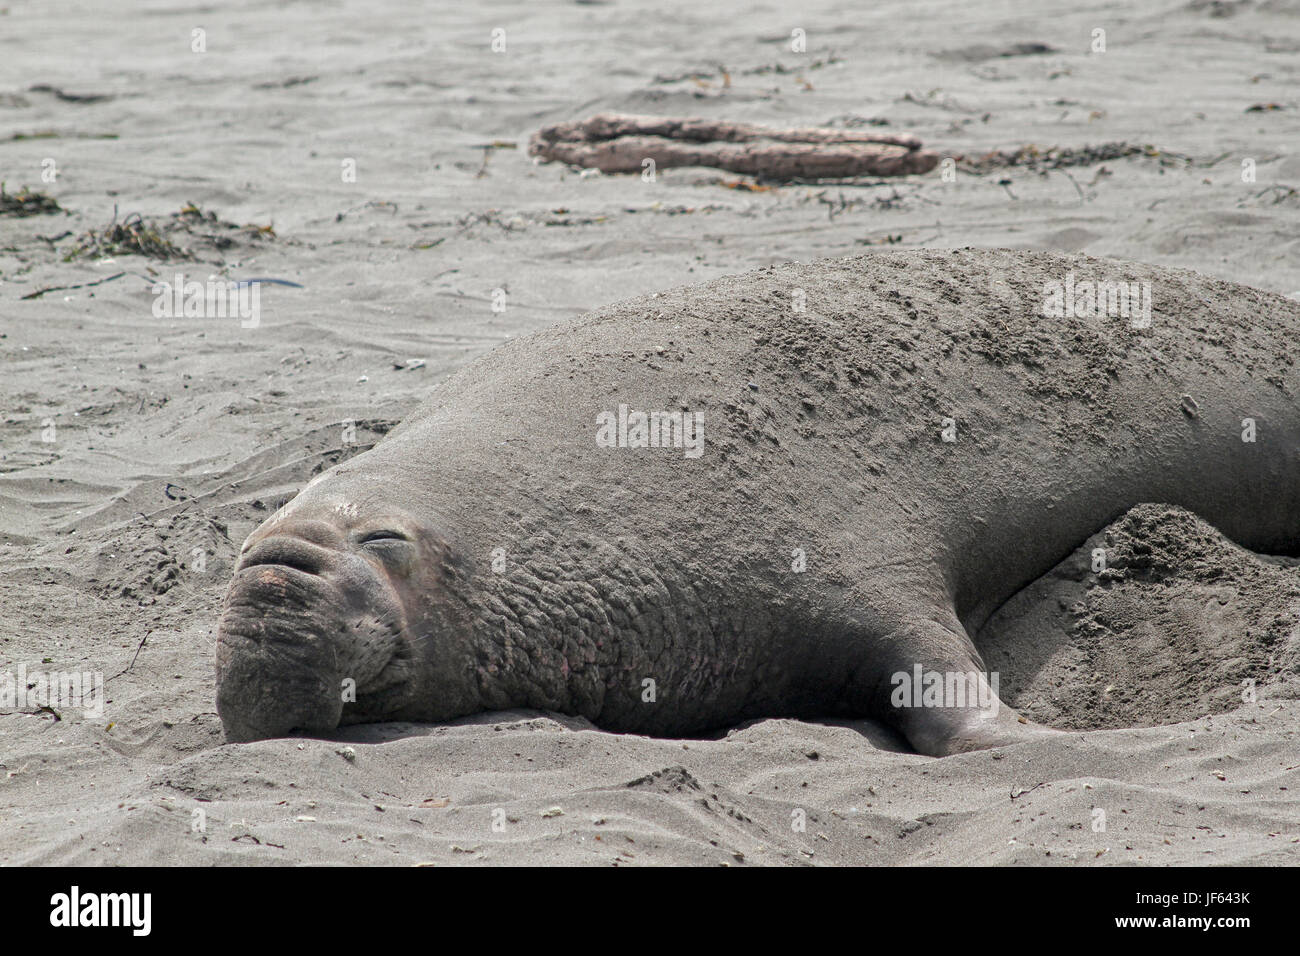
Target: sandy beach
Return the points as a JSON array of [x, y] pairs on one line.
[[371, 160]]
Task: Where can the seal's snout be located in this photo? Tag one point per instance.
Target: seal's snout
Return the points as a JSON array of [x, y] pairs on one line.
[[269, 687], [278, 664]]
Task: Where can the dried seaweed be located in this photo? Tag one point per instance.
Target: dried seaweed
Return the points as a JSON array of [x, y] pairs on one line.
[[1039, 158], [136, 235], [217, 233], [26, 203]]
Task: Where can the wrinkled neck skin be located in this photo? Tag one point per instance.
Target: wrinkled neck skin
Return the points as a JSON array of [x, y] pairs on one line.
[[553, 632], [632, 638]]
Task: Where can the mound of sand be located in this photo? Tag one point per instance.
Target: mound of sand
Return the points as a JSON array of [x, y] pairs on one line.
[[1178, 622]]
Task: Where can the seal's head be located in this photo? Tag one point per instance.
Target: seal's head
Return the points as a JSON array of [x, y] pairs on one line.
[[341, 610]]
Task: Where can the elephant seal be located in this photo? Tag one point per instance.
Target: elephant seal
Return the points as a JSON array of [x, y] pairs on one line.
[[872, 454]]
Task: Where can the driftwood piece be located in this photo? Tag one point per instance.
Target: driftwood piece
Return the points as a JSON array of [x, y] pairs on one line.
[[618, 143], [610, 125]]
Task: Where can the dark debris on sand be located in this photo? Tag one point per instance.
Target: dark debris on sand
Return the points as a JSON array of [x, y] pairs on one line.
[[134, 235], [1059, 157], [26, 203], [216, 233], [178, 236]]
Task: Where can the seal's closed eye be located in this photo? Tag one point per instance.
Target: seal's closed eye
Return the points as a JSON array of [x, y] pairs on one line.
[[383, 534]]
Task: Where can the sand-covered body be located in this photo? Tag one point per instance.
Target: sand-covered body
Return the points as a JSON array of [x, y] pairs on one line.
[[879, 472]]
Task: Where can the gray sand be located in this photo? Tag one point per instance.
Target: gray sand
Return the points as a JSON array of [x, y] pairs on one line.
[[178, 434]]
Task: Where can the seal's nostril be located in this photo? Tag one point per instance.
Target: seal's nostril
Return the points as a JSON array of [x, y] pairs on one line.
[[286, 552]]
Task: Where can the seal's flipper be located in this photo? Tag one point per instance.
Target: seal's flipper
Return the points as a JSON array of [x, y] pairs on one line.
[[937, 692]]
